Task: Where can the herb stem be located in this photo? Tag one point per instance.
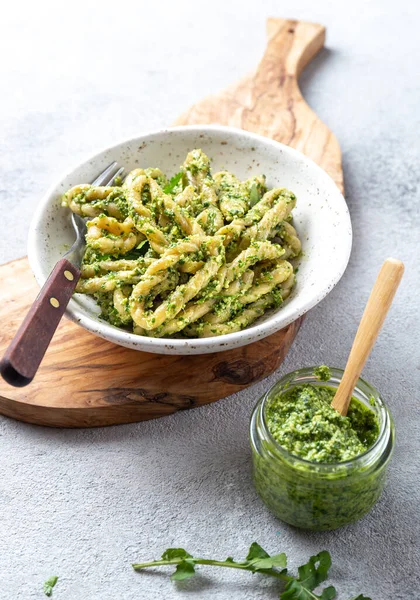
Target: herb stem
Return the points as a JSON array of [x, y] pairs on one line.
[[213, 563]]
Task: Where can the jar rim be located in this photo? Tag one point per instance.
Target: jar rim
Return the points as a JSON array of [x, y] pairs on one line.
[[336, 374]]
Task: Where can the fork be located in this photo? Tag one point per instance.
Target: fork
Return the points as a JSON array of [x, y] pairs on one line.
[[26, 350]]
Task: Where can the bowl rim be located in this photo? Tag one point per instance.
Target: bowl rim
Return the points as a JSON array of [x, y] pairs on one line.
[[199, 345]]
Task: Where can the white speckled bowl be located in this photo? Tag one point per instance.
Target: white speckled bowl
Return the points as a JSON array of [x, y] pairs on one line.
[[321, 218]]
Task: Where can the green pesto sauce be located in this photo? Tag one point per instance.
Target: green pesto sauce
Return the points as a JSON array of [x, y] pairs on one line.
[[322, 373], [303, 422]]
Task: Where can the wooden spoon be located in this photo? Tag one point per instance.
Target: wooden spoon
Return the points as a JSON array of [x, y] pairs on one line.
[[379, 302]]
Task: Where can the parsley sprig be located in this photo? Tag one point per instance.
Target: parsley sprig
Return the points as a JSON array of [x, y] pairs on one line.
[[173, 183], [310, 575]]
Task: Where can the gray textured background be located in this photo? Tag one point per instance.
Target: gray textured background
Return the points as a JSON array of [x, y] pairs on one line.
[[85, 504]]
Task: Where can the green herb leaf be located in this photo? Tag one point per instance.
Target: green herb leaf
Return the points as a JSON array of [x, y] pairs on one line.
[[254, 195], [361, 597], [49, 584], [142, 243], [255, 551], [294, 590], [138, 251], [314, 572], [258, 559], [329, 593], [173, 182], [173, 553], [184, 570], [278, 560]]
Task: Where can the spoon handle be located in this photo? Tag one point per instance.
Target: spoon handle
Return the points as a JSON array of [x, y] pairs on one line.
[[379, 302]]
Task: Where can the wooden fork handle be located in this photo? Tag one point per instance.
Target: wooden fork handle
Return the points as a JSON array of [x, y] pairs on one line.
[[26, 351]]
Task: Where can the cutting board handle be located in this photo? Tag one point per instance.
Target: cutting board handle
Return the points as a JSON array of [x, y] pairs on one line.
[[291, 45], [269, 102]]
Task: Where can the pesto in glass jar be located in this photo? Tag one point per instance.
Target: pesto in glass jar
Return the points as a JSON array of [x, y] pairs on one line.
[[312, 467]]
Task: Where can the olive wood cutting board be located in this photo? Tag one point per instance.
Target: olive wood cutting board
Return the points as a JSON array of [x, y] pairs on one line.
[[85, 381]]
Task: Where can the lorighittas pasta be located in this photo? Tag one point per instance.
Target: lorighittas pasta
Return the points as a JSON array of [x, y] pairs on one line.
[[199, 255]]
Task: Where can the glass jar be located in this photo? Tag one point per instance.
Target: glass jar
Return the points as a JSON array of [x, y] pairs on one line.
[[319, 496]]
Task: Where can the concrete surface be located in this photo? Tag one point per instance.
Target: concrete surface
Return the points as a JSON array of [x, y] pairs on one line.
[[85, 504]]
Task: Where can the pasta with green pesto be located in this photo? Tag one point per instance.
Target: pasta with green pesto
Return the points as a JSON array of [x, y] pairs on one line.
[[198, 255]]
